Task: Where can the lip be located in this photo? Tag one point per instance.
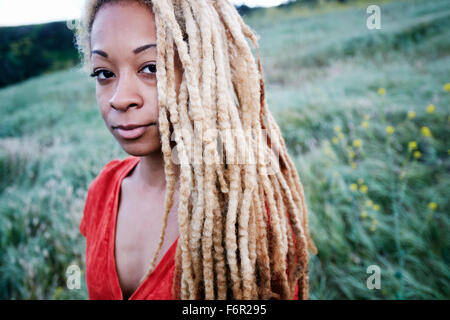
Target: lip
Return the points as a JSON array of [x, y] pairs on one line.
[[132, 131]]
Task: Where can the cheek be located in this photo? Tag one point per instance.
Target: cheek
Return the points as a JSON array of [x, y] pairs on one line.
[[151, 98], [103, 103], [155, 99]]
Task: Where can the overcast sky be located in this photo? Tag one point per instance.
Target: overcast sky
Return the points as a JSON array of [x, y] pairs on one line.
[[18, 12]]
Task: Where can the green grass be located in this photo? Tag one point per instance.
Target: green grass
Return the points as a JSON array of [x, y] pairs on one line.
[[323, 69], [53, 143]]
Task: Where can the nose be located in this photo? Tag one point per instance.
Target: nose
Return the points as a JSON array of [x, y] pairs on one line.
[[126, 94]]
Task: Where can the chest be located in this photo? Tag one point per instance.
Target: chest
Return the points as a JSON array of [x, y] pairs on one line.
[[138, 229]]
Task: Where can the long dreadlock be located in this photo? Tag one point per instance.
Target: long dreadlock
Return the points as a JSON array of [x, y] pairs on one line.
[[239, 221]]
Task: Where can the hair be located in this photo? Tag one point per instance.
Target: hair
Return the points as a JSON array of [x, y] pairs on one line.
[[243, 229]]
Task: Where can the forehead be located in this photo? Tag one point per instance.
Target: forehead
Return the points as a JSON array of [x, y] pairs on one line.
[[127, 24]]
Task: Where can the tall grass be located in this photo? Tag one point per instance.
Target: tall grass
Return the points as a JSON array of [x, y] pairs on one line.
[[53, 143], [352, 104], [375, 197]]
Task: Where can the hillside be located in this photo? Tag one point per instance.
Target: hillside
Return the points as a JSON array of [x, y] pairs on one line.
[[32, 50]]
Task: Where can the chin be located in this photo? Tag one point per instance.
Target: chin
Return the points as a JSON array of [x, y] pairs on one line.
[[140, 149]]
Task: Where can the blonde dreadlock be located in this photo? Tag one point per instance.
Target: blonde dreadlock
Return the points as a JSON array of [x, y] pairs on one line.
[[230, 246]]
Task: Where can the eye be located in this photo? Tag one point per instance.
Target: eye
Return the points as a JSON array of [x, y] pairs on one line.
[[102, 74], [151, 68]]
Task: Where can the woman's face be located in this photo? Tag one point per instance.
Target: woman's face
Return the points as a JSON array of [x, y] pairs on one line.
[[123, 42]]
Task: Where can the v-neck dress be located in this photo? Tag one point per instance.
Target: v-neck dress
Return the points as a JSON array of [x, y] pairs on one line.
[[98, 225]]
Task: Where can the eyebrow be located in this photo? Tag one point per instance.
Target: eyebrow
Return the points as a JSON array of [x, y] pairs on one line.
[[135, 51]]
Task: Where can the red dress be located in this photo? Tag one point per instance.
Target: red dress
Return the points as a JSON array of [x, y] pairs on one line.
[[98, 226]]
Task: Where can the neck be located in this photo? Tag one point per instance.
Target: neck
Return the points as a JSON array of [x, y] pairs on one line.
[[150, 172]]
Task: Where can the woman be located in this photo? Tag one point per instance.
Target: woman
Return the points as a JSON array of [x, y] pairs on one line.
[[178, 87]]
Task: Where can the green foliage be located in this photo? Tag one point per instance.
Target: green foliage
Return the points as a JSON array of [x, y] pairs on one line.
[[28, 51], [325, 98], [372, 199], [53, 142]]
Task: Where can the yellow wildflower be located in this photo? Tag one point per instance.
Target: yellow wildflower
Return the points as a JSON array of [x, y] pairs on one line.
[[337, 128], [417, 154], [351, 154], [340, 135], [369, 202], [390, 129], [353, 165], [381, 91], [372, 228], [366, 117], [376, 207], [360, 180], [447, 87], [432, 205], [363, 188], [412, 145], [353, 187], [335, 140], [365, 124], [357, 143], [364, 214], [375, 221], [430, 108], [425, 131], [411, 114]]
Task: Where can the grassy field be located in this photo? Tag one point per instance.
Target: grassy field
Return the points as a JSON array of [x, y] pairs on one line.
[[365, 114]]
